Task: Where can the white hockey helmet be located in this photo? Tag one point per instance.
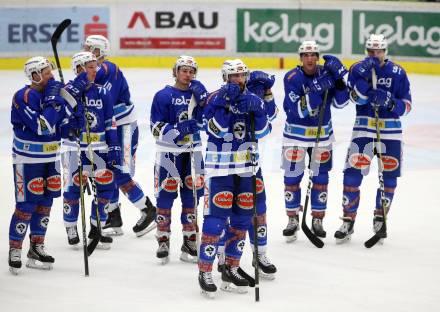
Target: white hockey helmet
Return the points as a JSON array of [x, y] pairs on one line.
[[308, 46], [376, 42], [231, 67], [185, 60], [81, 59], [36, 65], [97, 42]]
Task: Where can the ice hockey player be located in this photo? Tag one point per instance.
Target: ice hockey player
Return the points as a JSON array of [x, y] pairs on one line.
[[94, 100], [36, 115], [259, 83], [393, 98], [176, 132], [111, 77], [229, 169], [305, 87]]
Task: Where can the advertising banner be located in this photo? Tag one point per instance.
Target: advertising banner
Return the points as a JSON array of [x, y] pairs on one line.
[[189, 27], [415, 34], [27, 30], [282, 30]]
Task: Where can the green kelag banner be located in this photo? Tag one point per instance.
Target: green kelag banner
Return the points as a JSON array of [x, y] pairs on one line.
[[282, 30], [414, 34]]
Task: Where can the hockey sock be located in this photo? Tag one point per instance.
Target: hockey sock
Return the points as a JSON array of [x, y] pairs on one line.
[[261, 231], [188, 218], [212, 228], [133, 192], [102, 210], [163, 219], [318, 198], [350, 200], [292, 198], [70, 211], [18, 226], [40, 220], [390, 185]]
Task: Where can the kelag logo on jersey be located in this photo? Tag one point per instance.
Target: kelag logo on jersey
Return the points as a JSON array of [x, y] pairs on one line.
[[25, 30], [408, 33]]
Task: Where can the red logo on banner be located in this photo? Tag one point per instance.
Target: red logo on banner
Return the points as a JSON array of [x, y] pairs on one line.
[[172, 43], [223, 199], [135, 17], [96, 28]]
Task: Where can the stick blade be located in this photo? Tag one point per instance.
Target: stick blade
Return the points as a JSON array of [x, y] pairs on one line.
[[372, 241], [315, 240], [92, 245], [59, 30]]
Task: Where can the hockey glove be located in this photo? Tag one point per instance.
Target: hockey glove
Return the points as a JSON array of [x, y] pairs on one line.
[[322, 83], [334, 66], [77, 87], [262, 78], [230, 91], [365, 67], [380, 98], [250, 103], [186, 127], [199, 91], [114, 156]]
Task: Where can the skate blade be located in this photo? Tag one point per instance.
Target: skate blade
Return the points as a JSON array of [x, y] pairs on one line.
[[185, 257], [208, 294], [343, 240], [104, 246], [267, 276], [291, 239], [163, 261], [230, 287], [148, 229], [14, 271], [113, 232], [35, 264]]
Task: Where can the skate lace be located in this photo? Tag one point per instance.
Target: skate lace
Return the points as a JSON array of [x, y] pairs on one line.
[[345, 226], [15, 254], [72, 232], [293, 223], [207, 277], [192, 244], [142, 219], [377, 225], [40, 249], [317, 223], [163, 246], [234, 272], [264, 260]]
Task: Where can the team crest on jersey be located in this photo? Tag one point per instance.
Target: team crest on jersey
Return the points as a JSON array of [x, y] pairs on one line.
[[322, 197], [240, 245], [244, 200], [322, 156], [389, 163], [183, 116], [36, 186], [104, 176], [21, 228], [170, 185], [239, 130], [260, 186], [261, 231], [289, 196], [209, 250], [54, 183], [200, 182], [294, 154], [85, 175], [359, 161], [44, 222], [223, 199], [92, 119]]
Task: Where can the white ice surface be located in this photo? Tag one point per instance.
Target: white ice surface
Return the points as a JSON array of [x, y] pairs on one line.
[[401, 275]]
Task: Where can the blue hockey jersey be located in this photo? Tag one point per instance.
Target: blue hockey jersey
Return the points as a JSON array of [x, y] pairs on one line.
[[111, 77], [99, 116], [170, 106], [301, 124], [390, 77], [229, 136], [36, 127]]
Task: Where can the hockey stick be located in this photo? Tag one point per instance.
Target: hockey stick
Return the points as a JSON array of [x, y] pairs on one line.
[[54, 41], [382, 232], [192, 105], [310, 235], [254, 203]]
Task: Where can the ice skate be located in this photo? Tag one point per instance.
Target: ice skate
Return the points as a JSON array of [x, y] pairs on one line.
[[378, 228], [113, 225], [317, 228], [104, 242], [220, 261], [232, 281], [266, 268], [163, 251], [290, 232], [14, 260], [38, 258], [189, 249], [207, 286], [146, 223], [344, 233], [72, 235]]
